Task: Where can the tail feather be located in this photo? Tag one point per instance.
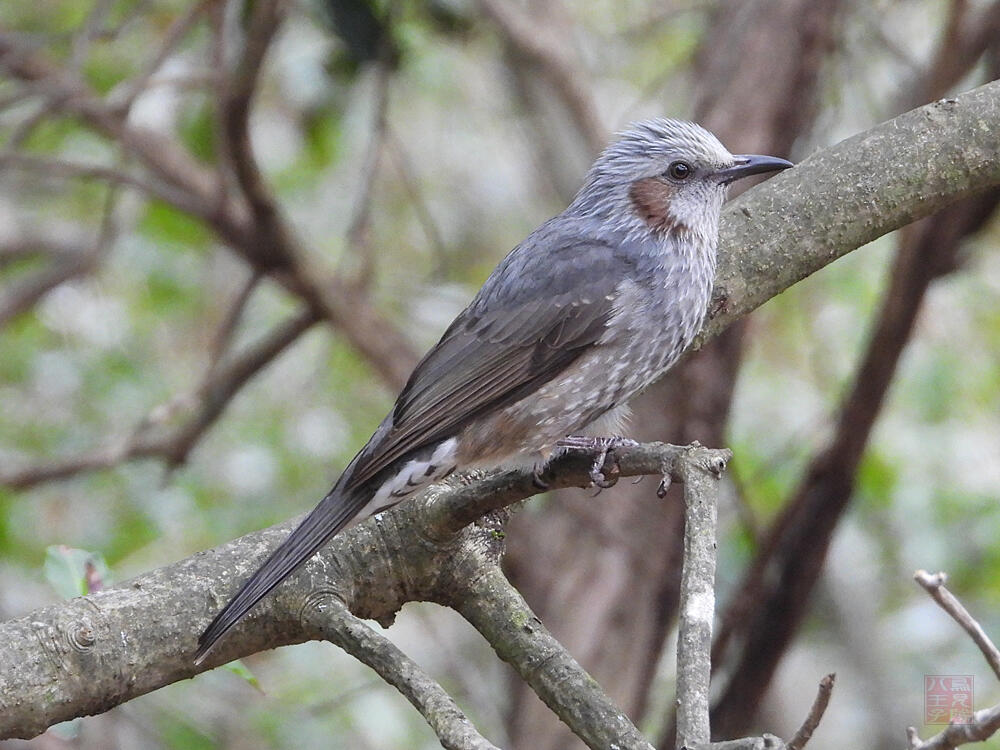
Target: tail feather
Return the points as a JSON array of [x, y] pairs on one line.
[[332, 514]]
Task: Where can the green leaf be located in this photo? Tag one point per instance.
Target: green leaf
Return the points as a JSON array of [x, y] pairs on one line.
[[197, 131], [166, 225], [74, 572], [241, 670]]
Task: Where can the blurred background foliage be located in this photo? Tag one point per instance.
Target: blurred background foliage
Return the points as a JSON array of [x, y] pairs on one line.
[[469, 162]]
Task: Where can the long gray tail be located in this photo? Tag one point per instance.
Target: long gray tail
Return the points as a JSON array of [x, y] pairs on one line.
[[332, 514]]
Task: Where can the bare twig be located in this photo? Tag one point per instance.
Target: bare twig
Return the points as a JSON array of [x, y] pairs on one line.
[[934, 585], [223, 337], [983, 725], [89, 31], [27, 293], [536, 43], [331, 618], [213, 395], [423, 212], [700, 470], [62, 169], [138, 10], [815, 714], [174, 35], [359, 228]]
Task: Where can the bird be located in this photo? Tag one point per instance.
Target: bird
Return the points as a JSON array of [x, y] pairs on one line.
[[592, 307]]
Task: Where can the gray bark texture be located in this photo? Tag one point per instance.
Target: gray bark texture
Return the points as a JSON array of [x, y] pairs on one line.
[[89, 654]]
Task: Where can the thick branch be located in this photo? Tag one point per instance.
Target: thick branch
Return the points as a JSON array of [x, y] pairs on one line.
[[793, 225], [498, 611], [114, 645], [847, 195]]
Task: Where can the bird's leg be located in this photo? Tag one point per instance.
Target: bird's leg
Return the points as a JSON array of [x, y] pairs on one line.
[[601, 446]]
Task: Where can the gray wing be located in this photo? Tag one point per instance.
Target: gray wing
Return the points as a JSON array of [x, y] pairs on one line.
[[538, 311]]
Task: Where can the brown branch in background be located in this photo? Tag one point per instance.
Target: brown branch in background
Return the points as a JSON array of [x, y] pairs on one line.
[[359, 228], [791, 558], [273, 246], [148, 439], [89, 31], [221, 385], [537, 43], [26, 293], [53, 167], [174, 35], [423, 212], [805, 732], [26, 247], [935, 586], [260, 236], [165, 158], [230, 322], [63, 266]]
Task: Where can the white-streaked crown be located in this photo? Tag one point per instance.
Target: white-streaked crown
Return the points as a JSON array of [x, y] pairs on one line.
[[648, 147]]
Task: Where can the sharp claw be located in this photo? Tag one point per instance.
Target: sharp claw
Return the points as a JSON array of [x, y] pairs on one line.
[[604, 446], [661, 490], [537, 482]]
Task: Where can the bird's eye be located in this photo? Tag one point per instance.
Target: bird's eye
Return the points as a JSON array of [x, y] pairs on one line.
[[679, 170]]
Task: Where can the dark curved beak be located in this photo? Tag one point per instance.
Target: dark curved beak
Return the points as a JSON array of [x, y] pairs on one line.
[[750, 164]]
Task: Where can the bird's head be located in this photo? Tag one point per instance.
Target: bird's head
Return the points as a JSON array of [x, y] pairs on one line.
[[669, 175]]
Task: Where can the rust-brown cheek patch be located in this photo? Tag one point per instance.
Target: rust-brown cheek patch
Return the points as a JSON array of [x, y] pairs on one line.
[[651, 199]]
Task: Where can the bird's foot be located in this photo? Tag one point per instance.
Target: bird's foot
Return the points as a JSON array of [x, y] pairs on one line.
[[601, 447]]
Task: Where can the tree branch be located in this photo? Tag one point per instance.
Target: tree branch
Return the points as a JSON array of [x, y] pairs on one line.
[[94, 652], [498, 611], [539, 45], [91, 653], [982, 724], [934, 585], [333, 620], [260, 235], [700, 471], [220, 384], [805, 732], [845, 196]]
